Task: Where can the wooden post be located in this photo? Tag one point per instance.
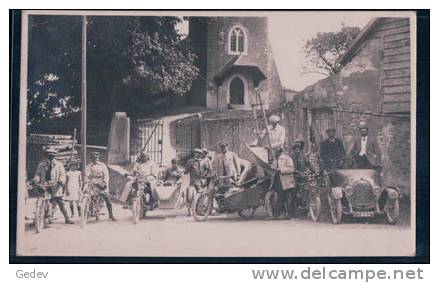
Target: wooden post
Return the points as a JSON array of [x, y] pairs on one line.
[[84, 96]]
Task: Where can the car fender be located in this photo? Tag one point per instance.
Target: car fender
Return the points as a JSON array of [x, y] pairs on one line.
[[337, 192], [392, 192]]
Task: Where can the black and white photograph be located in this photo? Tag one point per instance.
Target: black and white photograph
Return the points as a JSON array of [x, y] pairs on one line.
[[217, 134]]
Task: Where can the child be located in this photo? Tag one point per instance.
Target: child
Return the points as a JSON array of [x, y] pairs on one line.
[[73, 186]]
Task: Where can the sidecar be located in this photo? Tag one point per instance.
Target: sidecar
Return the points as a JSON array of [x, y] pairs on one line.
[[360, 193]]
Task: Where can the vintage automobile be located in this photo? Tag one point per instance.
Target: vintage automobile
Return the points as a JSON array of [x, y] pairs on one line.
[[360, 193]]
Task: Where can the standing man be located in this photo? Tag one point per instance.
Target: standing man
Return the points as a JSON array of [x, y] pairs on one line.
[[194, 167], [97, 173], [284, 180], [51, 171], [276, 134], [365, 151], [332, 151], [226, 163]]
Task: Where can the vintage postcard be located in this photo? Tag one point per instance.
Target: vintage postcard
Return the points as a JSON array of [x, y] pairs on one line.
[[217, 134]]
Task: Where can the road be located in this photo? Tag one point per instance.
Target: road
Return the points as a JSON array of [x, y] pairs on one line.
[[172, 233]]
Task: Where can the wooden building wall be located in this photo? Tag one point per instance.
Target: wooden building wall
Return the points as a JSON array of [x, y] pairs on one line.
[[395, 66]]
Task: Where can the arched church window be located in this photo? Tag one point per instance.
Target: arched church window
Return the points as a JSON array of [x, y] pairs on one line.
[[237, 41], [237, 91]]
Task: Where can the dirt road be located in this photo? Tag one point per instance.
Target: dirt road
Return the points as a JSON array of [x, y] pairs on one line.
[[172, 233]]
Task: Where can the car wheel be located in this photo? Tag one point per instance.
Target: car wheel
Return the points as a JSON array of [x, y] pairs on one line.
[[314, 206], [392, 211], [335, 210]]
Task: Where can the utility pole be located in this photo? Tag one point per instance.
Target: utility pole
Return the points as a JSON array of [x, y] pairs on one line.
[[84, 95]]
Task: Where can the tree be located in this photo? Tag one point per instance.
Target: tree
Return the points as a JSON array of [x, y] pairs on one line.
[[325, 50], [131, 61]]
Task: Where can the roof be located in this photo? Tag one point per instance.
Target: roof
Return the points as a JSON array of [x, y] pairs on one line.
[[356, 44], [237, 64]]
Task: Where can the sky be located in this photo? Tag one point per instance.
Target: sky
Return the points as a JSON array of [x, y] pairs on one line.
[[289, 31]]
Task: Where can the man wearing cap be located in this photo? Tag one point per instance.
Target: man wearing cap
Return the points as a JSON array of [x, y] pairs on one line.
[[97, 173], [194, 167], [51, 171], [365, 150], [332, 150], [226, 163], [276, 133]]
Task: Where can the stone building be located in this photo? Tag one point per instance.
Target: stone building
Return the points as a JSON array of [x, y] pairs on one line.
[[374, 86], [235, 61]]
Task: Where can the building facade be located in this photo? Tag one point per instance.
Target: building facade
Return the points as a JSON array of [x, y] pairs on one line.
[[235, 61]]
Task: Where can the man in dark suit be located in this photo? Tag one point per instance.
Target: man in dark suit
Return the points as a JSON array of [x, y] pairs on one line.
[[332, 150], [365, 151]]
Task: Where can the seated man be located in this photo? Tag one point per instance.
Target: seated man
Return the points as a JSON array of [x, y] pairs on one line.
[[171, 175], [146, 169]]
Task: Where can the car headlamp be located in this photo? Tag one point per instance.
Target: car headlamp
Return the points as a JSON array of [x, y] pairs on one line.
[[349, 190], [377, 191]]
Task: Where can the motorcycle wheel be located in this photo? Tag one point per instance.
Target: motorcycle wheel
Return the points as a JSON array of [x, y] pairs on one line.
[[137, 204], [335, 210], [39, 215], [85, 208], [271, 203], [247, 213], [314, 206], [201, 206], [392, 211]]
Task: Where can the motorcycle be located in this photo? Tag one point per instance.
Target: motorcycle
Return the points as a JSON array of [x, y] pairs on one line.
[[226, 197], [91, 202], [307, 194], [140, 198]]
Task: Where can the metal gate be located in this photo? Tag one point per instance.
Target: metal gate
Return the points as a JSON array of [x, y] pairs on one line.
[[147, 136], [185, 141]]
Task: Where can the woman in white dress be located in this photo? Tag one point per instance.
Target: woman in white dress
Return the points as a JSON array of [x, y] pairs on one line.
[[73, 187]]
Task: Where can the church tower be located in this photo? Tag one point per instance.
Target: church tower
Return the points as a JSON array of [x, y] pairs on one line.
[[235, 62]]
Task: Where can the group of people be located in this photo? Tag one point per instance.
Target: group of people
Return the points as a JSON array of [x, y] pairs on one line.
[[66, 186]]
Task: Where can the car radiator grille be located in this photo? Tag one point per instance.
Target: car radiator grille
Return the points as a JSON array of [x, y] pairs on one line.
[[363, 195]]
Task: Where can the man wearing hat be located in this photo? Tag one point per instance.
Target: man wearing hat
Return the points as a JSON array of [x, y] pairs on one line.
[[276, 133], [302, 166], [51, 171], [226, 163], [97, 172], [365, 150], [332, 150]]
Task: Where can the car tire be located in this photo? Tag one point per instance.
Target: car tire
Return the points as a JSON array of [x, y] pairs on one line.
[[335, 210], [314, 206], [392, 211]]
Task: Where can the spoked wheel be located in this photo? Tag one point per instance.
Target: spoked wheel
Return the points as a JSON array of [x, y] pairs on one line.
[[40, 215], [85, 208], [392, 211], [247, 213], [314, 206], [201, 206], [272, 203], [335, 210], [137, 205]]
